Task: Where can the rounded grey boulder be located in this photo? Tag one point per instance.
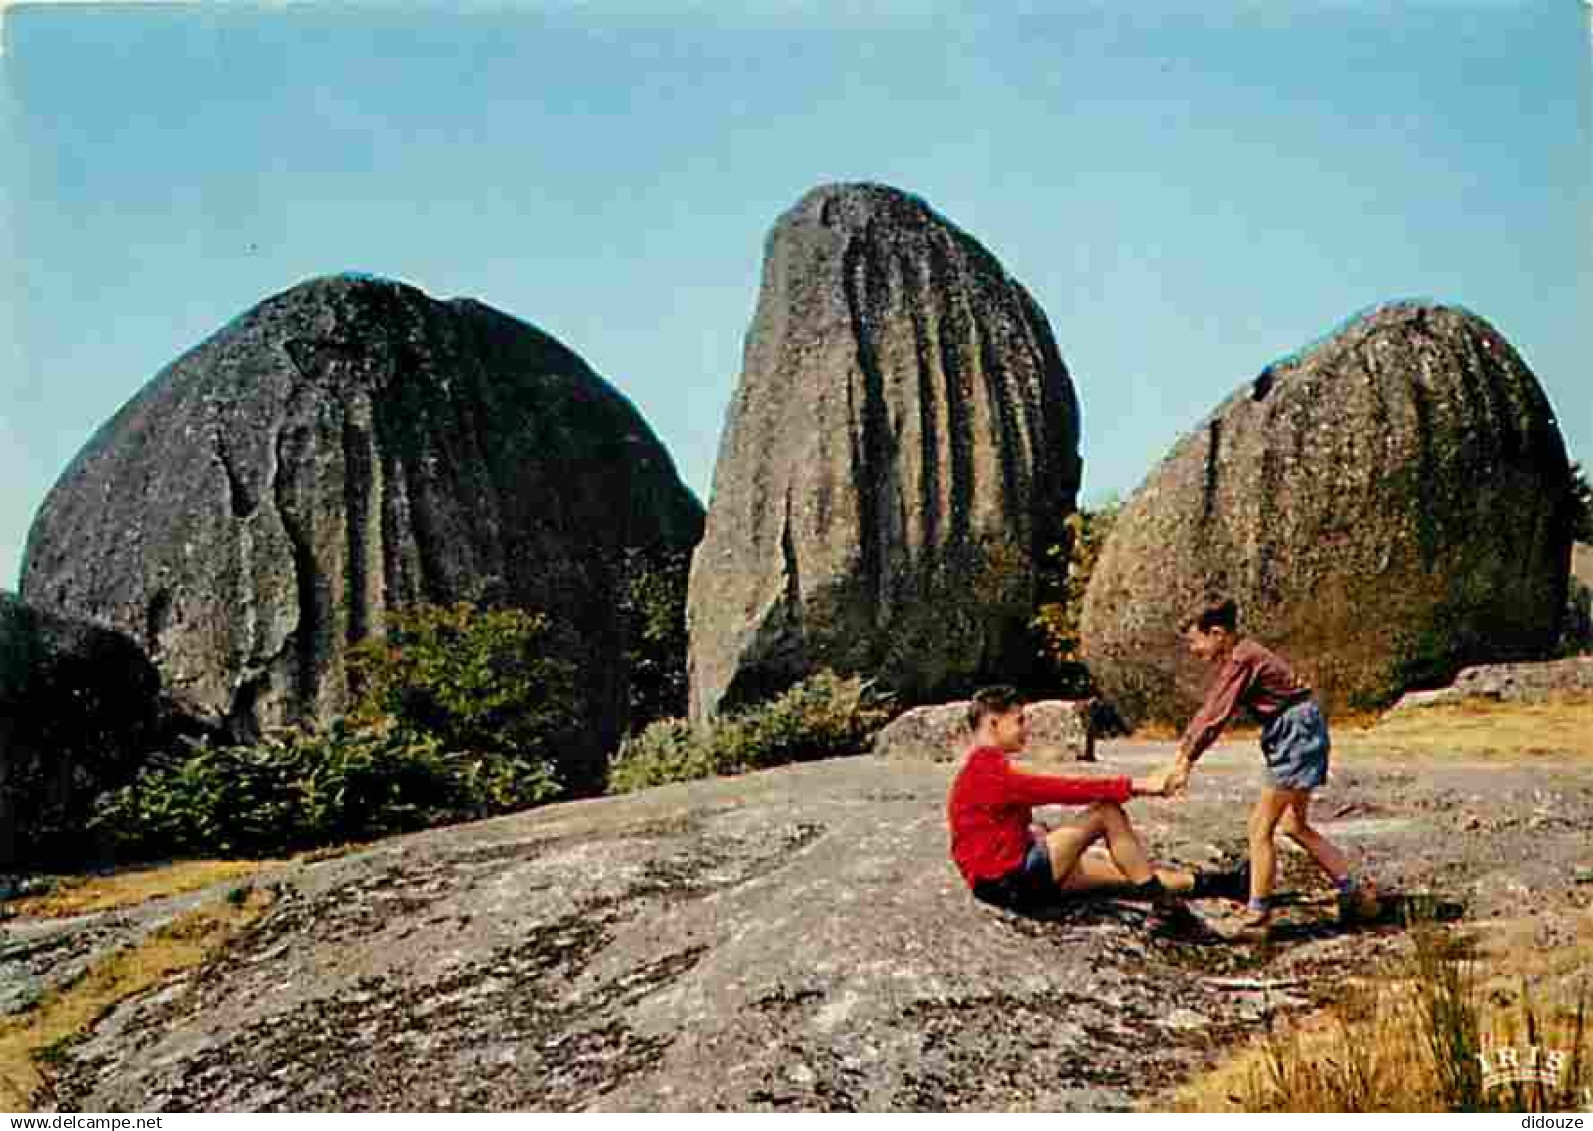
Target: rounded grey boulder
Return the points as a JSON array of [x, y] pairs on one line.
[[345, 448], [80, 709], [1060, 730], [900, 451], [1386, 507]]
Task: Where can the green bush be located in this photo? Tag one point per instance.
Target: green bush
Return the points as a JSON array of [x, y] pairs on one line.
[[652, 605], [663, 752], [458, 714], [821, 717], [480, 680], [824, 716], [1064, 579], [304, 788], [1581, 504]]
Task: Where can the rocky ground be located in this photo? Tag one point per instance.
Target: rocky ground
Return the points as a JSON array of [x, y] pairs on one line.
[[792, 939]]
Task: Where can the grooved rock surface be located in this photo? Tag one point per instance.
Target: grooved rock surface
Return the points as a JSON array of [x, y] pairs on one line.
[[899, 453], [1060, 730], [791, 939], [79, 706], [1386, 507], [344, 448]]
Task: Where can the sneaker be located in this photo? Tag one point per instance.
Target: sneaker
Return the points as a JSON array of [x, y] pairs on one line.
[[1152, 890], [1233, 885], [1168, 912]]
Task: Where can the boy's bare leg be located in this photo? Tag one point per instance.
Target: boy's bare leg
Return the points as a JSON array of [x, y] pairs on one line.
[[1176, 880], [1095, 870], [1263, 852], [1359, 899], [1296, 825], [1077, 870]]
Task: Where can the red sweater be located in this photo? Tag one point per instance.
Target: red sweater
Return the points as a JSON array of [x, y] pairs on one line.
[[989, 810]]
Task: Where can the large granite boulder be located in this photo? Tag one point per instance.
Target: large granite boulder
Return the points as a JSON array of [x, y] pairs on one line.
[[342, 449], [1539, 682], [789, 940], [901, 450], [1527, 683], [79, 710], [1060, 730], [1387, 506]]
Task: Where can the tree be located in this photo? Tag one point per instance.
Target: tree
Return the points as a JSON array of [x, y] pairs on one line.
[[1581, 504], [653, 611], [1072, 562], [478, 680]]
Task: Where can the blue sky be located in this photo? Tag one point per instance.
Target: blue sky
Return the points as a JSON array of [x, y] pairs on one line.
[[1189, 190]]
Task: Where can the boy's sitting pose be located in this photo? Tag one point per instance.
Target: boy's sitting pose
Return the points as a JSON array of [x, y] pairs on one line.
[[1294, 742], [1002, 856]]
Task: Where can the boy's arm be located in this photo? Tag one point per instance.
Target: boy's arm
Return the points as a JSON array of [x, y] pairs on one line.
[[1031, 788], [1222, 701]]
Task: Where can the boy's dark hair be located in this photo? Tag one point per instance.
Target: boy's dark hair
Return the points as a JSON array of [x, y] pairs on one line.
[[996, 700], [1217, 612]]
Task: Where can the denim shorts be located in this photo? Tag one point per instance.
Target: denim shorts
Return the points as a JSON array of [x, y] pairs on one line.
[[1295, 744], [1028, 885]]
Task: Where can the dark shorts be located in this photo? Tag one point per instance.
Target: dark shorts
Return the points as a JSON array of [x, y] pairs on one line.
[[1295, 743], [1028, 885]]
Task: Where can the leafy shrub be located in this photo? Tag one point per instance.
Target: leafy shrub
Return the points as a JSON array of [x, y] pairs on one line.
[[1581, 504], [824, 716], [1064, 580], [479, 680], [664, 751], [653, 611], [458, 713], [302, 788]]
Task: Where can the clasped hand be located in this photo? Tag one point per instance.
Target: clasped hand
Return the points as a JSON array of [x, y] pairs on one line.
[[1177, 777]]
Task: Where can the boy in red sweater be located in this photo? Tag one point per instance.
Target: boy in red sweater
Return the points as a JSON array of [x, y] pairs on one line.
[[997, 850]]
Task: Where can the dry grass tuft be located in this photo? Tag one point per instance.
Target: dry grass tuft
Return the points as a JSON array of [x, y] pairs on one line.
[[1412, 1039], [1478, 728], [31, 1041], [84, 895]]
